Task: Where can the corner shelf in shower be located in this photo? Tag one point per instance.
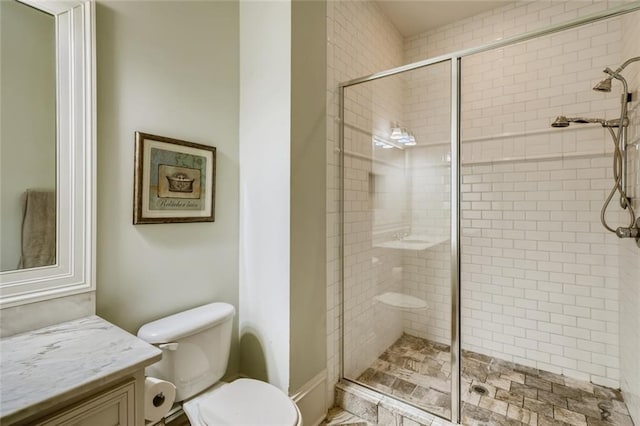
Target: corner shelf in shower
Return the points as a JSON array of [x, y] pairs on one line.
[[401, 301]]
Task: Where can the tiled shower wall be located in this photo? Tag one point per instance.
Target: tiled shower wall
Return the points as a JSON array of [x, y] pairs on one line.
[[629, 251], [540, 277], [539, 282], [427, 273]]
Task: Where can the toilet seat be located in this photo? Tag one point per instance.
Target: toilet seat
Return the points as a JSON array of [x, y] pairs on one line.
[[244, 402]]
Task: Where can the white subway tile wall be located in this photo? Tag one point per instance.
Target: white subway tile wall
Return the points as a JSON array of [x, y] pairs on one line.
[[427, 273], [539, 274]]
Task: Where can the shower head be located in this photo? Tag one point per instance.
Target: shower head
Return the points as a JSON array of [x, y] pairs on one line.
[[603, 85], [562, 121]]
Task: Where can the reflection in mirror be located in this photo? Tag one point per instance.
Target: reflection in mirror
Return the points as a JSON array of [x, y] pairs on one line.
[[27, 137]]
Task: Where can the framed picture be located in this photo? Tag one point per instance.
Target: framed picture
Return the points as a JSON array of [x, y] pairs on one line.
[[174, 180]]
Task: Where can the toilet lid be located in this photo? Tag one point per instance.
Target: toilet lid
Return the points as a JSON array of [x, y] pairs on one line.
[[244, 402]]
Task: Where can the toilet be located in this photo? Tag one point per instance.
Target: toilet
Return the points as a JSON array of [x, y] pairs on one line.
[[195, 349]]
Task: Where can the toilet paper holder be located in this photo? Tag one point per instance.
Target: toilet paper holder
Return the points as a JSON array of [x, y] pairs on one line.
[[158, 400]]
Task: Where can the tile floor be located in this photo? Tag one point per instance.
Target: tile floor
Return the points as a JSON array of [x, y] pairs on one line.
[[494, 392], [339, 417]]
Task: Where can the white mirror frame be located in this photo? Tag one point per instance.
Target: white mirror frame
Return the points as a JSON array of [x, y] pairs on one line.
[[74, 270]]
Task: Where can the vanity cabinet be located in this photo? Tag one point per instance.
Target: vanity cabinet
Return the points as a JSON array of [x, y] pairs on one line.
[[84, 372], [116, 406]]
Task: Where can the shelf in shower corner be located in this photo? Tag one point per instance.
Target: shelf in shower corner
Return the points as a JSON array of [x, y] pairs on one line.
[[412, 243], [402, 301]]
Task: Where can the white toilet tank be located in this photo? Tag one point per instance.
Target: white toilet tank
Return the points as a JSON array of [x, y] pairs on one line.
[[195, 347]]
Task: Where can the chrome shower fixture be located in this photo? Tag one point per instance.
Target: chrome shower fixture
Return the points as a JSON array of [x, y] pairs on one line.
[[619, 151], [603, 85], [562, 121]]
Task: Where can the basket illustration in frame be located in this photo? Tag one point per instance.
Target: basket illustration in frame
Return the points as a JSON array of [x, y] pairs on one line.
[[174, 180]]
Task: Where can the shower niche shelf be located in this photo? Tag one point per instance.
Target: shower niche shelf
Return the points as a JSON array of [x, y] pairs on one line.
[[417, 243], [402, 301]]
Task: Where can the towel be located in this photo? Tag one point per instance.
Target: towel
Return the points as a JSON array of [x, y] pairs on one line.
[[38, 230]]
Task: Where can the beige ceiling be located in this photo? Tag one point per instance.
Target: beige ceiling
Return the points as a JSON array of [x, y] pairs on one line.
[[416, 16]]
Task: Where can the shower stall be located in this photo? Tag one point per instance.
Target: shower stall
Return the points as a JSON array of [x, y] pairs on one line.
[[478, 281]]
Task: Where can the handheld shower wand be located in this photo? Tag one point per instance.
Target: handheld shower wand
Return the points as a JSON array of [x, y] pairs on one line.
[[562, 121]]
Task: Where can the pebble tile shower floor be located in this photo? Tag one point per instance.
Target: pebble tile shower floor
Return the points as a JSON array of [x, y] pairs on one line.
[[494, 392]]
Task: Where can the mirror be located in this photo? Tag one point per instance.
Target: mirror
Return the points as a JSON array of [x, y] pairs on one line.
[[28, 135], [47, 149]]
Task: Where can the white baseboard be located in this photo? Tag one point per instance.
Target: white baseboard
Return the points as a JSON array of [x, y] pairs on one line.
[[311, 399]]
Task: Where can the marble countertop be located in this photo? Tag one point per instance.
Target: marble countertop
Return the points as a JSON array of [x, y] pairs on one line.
[[45, 367]]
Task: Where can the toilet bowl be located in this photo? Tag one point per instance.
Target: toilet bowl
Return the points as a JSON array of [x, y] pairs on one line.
[[246, 402], [195, 345]]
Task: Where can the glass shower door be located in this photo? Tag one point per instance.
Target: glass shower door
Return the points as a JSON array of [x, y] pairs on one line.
[[396, 229]]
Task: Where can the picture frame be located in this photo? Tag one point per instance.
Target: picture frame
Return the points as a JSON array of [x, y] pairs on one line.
[[174, 180]]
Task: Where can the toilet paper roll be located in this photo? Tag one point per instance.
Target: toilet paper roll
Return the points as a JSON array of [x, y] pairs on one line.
[[158, 398]]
